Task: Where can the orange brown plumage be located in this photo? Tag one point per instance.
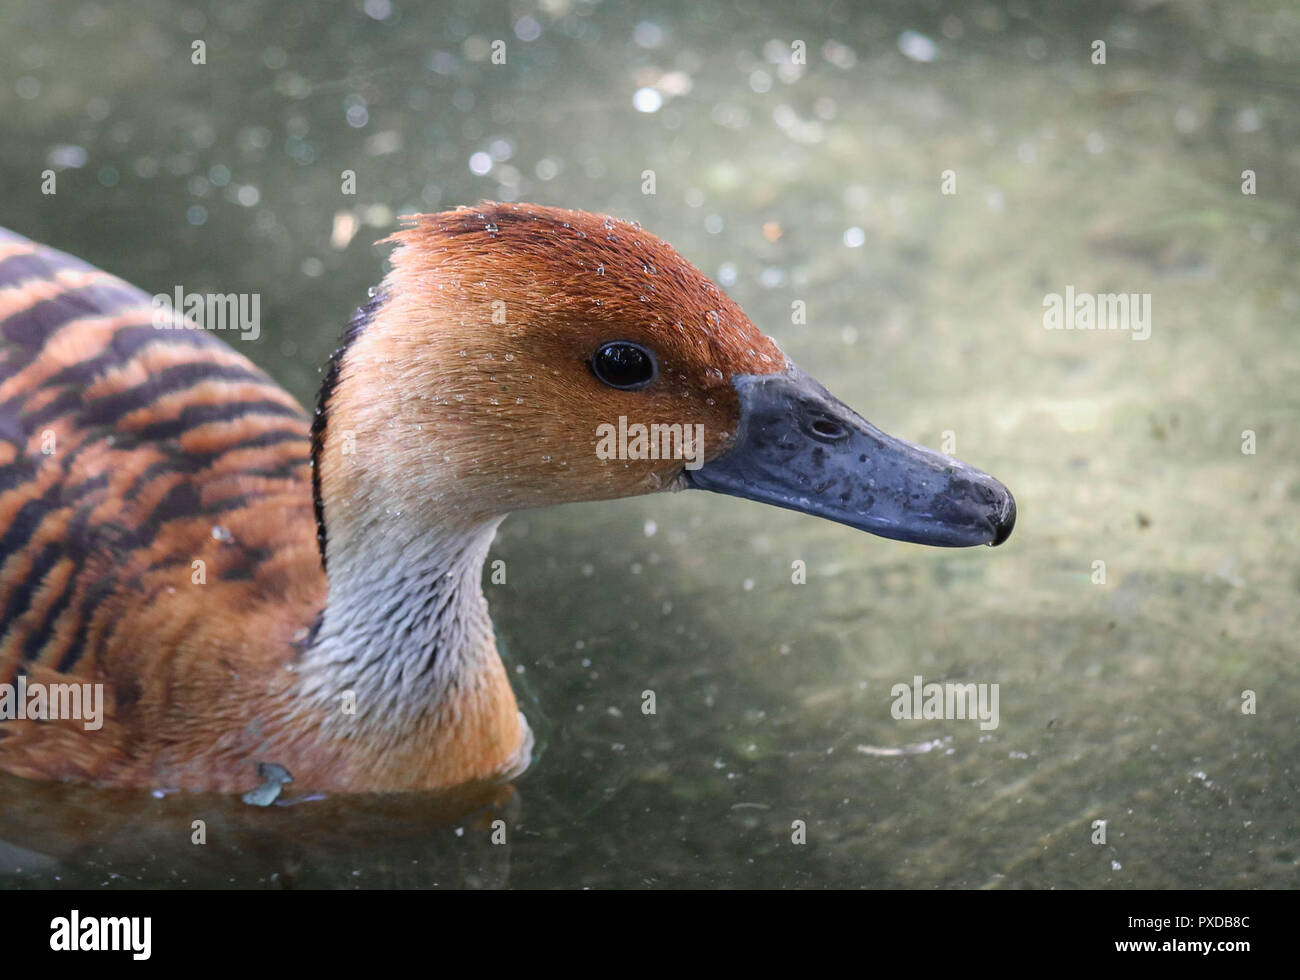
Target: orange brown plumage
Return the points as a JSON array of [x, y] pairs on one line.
[[251, 586], [172, 452]]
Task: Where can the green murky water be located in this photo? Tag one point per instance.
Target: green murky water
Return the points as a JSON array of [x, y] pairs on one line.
[[1119, 701]]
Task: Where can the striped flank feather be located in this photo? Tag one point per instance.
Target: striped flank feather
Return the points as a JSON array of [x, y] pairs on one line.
[[136, 465]]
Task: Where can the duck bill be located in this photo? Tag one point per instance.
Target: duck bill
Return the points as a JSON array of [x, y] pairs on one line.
[[797, 446]]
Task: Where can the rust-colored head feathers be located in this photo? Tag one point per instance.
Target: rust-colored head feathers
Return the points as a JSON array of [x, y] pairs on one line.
[[481, 350], [582, 271]]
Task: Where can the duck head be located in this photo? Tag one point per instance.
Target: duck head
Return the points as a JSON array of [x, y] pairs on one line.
[[519, 356]]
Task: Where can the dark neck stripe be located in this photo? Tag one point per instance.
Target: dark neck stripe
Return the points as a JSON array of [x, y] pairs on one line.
[[360, 320]]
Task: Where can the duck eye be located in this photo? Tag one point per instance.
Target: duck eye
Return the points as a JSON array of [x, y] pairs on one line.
[[624, 365]]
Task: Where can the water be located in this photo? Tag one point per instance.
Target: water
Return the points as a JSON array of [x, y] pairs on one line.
[[821, 183]]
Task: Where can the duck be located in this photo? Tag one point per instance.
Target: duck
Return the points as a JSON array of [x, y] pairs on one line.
[[248, 585]]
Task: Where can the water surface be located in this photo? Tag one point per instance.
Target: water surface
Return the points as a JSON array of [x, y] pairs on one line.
[[817, 183]]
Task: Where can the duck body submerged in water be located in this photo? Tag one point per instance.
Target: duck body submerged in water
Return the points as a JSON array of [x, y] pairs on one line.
[[252, 585]]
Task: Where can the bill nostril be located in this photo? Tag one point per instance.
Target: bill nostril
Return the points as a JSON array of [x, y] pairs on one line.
[[827, 429]]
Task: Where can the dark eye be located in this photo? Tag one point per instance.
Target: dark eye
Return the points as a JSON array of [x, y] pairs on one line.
[[624, 365]]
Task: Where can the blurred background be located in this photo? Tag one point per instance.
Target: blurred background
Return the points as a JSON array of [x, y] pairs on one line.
[[813, 179]]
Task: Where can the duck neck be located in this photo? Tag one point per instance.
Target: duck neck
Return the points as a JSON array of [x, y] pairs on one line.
[[405, 627], [403, 669], [403, 657], [405, 624]]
